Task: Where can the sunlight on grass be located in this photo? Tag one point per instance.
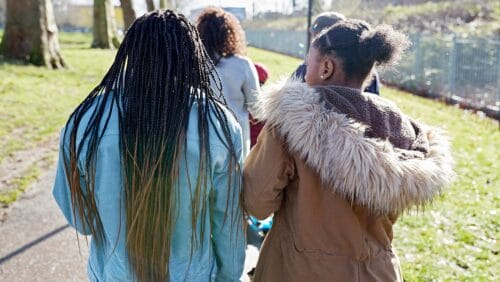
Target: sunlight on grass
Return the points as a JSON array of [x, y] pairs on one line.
[[35, 101], [19, 185], [280, 66]]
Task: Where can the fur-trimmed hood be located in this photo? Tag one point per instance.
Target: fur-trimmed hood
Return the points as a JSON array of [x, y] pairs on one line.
[[371, 172]]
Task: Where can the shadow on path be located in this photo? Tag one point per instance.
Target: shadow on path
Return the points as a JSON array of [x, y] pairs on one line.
[[32, 243]]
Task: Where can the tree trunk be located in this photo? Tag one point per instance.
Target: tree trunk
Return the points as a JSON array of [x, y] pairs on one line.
[[104, 25], [163, 5], [31, 33], [151, 5], [2, 12], [128, 13]]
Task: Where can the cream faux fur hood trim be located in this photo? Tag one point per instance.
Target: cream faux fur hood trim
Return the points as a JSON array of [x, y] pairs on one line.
[[365, 171]]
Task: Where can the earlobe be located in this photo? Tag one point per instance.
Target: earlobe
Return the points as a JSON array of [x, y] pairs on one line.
[[328, 70], [323, 71]]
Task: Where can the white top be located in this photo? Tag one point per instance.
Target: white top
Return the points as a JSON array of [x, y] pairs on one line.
[[240, 86]]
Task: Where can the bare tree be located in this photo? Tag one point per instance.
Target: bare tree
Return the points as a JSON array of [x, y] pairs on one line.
[[2, 12], [129, 15], [104, 28], [164, 5], [31, 33], [172, 4], [150, 4]]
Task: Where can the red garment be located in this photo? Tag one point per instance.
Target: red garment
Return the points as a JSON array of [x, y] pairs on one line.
[[255, 128], [262, 72]]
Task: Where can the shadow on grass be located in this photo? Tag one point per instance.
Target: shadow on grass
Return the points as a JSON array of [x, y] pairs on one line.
[[17, 62]]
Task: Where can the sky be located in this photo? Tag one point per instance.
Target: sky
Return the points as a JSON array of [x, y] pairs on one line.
[[260, 5]]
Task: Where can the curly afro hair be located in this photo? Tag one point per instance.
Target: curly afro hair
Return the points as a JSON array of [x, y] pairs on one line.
[[221, 33]]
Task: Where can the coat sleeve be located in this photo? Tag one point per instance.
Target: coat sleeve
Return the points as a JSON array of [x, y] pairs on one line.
[[267, 171], [251, 86], [228, 236], [62, 193]]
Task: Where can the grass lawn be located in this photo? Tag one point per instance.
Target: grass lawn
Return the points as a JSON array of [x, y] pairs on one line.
[[455, 239], [280, 66], [35, 102]]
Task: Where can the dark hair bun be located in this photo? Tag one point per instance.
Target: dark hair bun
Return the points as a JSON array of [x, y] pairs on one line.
[[382, 45]]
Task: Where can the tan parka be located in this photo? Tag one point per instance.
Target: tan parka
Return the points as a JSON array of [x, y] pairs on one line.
[[335, 193]]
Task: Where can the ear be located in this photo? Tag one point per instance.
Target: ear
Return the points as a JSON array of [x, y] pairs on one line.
[[328, 68]]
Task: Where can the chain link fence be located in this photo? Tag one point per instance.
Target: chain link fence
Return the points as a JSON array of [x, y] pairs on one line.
[[466, 71], [292, 43]]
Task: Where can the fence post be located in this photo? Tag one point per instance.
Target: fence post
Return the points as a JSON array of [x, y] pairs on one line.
[[452, 75], [419, 63], [497, 92]]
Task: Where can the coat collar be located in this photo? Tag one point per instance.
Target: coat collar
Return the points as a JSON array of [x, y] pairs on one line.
[[366, 171]]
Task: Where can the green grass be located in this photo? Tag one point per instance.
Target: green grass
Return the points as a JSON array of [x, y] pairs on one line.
[[279, 66], [19, 185], [16, 186], [455, 239], [35, 102]]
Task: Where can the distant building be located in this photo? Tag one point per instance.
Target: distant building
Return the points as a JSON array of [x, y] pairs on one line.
[[239, 12]]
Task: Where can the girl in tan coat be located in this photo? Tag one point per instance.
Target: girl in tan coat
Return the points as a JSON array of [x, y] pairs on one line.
[[337, 166]]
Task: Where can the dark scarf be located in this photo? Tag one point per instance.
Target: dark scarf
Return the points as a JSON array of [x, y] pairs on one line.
[[382, 117]]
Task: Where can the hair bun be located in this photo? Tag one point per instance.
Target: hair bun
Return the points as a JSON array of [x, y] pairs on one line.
[[382, 45]]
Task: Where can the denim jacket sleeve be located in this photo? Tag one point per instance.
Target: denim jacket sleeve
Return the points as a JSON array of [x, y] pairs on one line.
[[62, 193], [227, 222]]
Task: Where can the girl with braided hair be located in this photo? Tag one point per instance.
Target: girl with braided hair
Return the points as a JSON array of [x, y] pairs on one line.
[[224, 40], [150, 163]]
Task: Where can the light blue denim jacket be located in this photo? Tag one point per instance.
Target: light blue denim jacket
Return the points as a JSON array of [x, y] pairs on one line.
[[223, 253]]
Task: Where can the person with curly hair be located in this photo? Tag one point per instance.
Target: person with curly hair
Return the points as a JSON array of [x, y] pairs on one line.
[[224, 41]]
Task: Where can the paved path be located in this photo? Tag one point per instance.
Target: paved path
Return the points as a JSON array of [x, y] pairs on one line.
[[36, 244]]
